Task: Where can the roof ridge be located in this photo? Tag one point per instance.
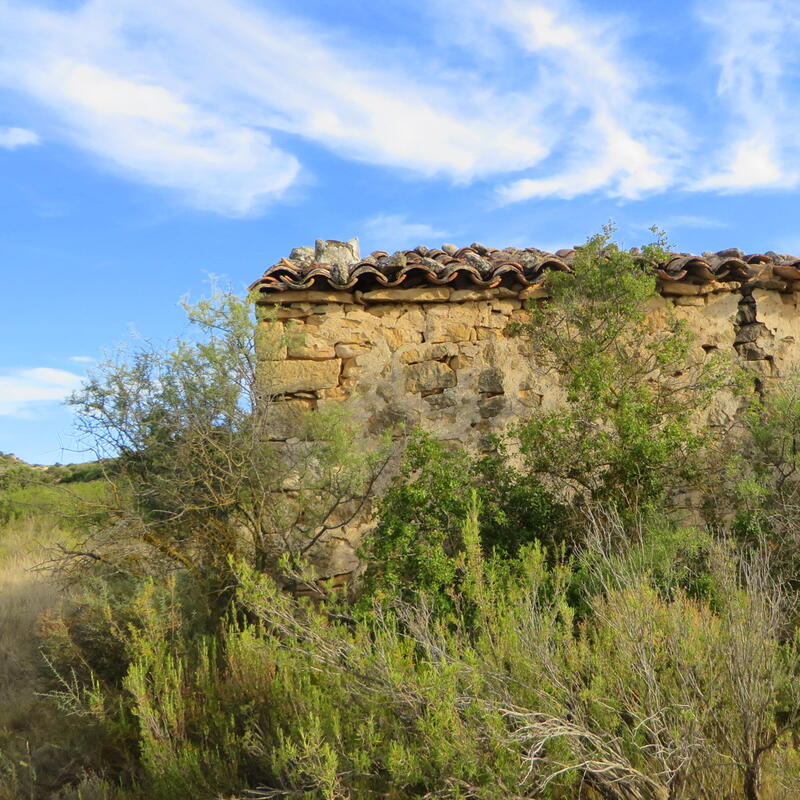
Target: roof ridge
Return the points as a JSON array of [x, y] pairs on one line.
[[486, 267]]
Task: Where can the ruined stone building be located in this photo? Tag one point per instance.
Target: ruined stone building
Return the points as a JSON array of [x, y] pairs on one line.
[[420, 337]]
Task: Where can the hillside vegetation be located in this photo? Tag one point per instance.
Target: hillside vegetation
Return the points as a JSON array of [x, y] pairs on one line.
[[603, 604]]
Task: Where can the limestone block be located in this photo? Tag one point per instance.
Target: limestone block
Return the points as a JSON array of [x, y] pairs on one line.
[[491, 406], [331, 251], [534, 293], [519, 317], [285, 418], [782, 325], [349, 350], [327, 308], [471, 295], [396, 337], [313, 296], [428, 352], [428, 376], [506, 306], [351, 368], [384, 310], [412, 319], [683, 288], [341, 329], [441, 401], [294, 311], [288, 377], [423, 294], [269, 341], [529, 398], [714, 324], [310, 346], [455, 323], [490, 381]]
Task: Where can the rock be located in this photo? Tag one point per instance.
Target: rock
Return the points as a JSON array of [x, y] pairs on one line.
[[286, 417], [424, 294], [331, 251], [309, 346], [288, 377], [309, 296], [750, 333], [302, 256], [427, 376], [537, 292], [491, 406], [490, 381], [440, 401], [428, 352], [349, 350]]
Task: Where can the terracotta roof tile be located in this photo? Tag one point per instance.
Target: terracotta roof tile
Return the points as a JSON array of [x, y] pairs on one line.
[[485, 267]]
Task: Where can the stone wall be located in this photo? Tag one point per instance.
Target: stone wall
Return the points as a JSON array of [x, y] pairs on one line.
[[442, 358]]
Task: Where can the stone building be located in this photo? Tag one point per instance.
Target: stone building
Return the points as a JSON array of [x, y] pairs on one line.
[[420, 337]]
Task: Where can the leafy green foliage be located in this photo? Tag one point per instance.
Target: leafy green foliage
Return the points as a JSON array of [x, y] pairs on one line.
[[626, 435], [197, 475], [417, 544]]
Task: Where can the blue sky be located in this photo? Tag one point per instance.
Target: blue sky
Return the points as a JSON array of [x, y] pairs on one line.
[[146, 146]]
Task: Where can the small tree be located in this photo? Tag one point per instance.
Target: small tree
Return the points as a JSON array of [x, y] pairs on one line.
[[628, 434], [197, 476]]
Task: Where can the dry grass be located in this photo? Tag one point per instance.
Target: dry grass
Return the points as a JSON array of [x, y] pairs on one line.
[[26, 720]]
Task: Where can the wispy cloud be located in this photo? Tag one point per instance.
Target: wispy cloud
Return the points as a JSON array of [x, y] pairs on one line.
[[752, 49], [544, 97], [621, 143], [183, 94], [395, 230], [23, 390], [82, 359], [12, 138]]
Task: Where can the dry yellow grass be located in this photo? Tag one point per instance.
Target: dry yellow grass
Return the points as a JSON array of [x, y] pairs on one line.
[[25, 593]]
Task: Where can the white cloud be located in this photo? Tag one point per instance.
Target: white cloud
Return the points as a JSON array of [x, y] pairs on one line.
[[82, 359], [621, 144], [181, 94], [23, 390], [756, 62], [395, 230], [209, 98], [12, 138]]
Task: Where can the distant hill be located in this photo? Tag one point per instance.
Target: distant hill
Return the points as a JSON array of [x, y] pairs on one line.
[[57, 473]]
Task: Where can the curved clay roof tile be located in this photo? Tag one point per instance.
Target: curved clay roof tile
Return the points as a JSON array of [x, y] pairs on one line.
[[482, 267]]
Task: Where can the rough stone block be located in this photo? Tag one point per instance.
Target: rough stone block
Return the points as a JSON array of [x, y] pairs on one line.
[[286, 418], [428, 376], [428, 352], [269, 341], [310, 346], [491, 406], [288, 377], [396, 337], [313, 296], [349, 350], [534, 293], [424, 294], [490, 381]]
